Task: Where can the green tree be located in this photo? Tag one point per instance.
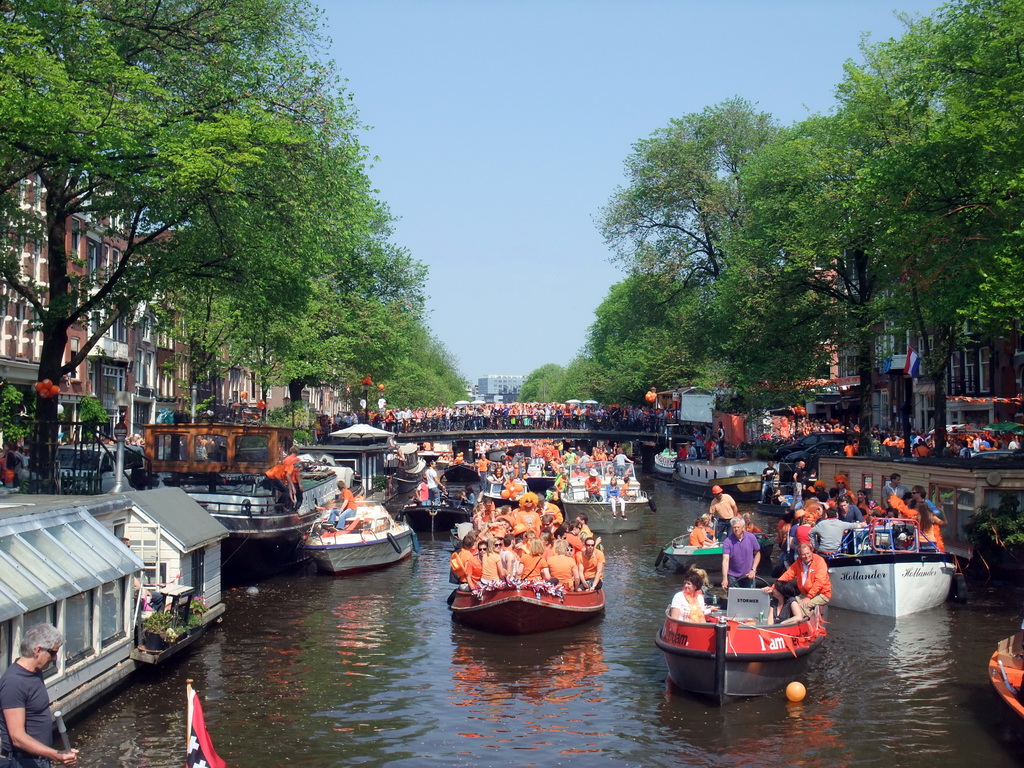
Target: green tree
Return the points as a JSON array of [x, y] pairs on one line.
[[542, 383]]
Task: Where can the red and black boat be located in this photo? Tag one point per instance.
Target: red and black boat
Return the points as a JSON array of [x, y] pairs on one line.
[[525, 608], [724, 659], [1006, 672]]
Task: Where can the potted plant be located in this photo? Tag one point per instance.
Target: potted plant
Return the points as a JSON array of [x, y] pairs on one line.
[[196, 609], [159, 631]]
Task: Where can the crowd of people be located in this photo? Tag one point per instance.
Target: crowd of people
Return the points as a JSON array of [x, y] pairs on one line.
[[531, 542]]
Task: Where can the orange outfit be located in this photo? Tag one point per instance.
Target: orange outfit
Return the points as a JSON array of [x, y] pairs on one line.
[[489, 566], [532, 565], [592, 485], [699, 537], [561, 568], [589, 565], [818, 582]]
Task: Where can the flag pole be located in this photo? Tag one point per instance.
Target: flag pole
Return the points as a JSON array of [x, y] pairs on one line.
[[190, 695]]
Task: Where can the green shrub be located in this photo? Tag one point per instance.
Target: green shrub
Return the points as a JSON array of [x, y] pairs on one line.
[[999, 531]]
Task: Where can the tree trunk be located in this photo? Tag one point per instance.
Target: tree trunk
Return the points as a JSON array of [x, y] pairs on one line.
[[865, 366]]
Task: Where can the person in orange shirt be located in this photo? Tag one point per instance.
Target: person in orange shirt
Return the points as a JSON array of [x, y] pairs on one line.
[[535, 565], [701, 535], [810, 571], [850, 450], [590, 563], [278, 479], [563, 567], [491, 567], [343, 507], [465, 563], [592, 485]]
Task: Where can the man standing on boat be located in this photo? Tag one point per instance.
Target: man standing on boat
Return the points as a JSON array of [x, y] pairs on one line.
[[434, 486], [723, 509], [26, 728], [741, 554], [768, 475]]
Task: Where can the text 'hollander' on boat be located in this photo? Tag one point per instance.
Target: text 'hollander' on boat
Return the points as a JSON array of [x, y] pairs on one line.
[[508, 607], [371, 539], [887, 569], [730, 656]]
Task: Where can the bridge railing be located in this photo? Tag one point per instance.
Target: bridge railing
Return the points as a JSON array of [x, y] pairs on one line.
[[471, 423]]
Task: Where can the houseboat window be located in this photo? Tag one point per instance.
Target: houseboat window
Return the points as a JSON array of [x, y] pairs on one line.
[[45, 615], [171, 447], [44, 574], [70, 539], [213, 448], [112, 611], [17, 581], [69, 560], [6, 651], [252, 449], [199, 572], [78, 627]]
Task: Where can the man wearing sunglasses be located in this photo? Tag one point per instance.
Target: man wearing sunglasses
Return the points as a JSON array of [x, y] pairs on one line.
[[26, 729]]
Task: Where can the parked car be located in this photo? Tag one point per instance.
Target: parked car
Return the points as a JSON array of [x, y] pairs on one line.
[[810, 456], [998, 455], [805, 442], [89, 469]]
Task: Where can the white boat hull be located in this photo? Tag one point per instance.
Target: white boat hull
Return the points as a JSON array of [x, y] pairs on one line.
[[372, 552], [890, 584]]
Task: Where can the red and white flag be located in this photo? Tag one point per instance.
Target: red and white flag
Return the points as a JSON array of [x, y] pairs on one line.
[[200, 752]]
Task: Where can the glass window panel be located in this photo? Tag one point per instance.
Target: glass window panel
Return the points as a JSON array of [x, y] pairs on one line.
[[78, 626], [6, 652], [48, 577], [115, 554], [112, 610], [45, 615], [72, 565], [172, 447], [69, 538], [252, 449], [22, 585], [211, 448]]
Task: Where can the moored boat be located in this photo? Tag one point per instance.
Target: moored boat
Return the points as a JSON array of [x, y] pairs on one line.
[[683, 556], [886, 569], [372, 539], [506, 608], [725, 659], [775, 510], [740, 479], [222, 466], [664, 465], [1006, 673], [439, 517]]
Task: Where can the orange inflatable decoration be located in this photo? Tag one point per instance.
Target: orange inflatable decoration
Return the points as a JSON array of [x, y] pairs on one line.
[[651, 396]]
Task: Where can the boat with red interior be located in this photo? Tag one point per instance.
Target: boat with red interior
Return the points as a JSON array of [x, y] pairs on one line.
[[1006, 673], [725, 658], [523, 608]]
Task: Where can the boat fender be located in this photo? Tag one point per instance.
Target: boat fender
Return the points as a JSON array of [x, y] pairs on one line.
[[652, 505], [958, 588], [432, 511], [415, 543], [247, 507], [394, 543], [659, 559]]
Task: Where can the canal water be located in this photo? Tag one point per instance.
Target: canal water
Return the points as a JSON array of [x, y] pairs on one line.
[[370, 670]]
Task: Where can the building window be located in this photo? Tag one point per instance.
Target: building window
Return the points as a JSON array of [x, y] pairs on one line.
[[76, 237], [92, 255], [112, 599], [113, 382], [971, 371], [119, 330], [78, 627], [985, 369]]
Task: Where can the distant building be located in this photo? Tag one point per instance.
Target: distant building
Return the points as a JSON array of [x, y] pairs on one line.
[[507, 386]]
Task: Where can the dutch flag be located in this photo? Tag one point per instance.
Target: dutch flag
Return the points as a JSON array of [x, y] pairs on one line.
[[913, 363]]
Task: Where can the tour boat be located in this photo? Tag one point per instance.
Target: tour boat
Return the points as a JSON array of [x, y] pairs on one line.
[[664, 465], [724, 659], [1006, 673], [507, 608], [222, 466], [740, 479], [680, 554], [886, 569], [371, 539], [574, 501]]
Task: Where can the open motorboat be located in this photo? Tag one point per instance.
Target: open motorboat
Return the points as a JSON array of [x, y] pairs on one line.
[[371, 539], [886, 569], [740, 479], [680, 554], [520, 608], [725, 658], [575, 500], [1006, 673]]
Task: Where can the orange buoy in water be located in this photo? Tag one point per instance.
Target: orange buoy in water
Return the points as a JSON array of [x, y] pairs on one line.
[[795, 691]]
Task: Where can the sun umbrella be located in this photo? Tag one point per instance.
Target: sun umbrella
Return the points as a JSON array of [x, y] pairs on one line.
[[572, 402], [478, 402], [462, 402], [1004, 426], [361, 430], [590, 402]]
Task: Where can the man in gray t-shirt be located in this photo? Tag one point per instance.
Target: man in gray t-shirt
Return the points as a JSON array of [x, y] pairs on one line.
[[828, 533]]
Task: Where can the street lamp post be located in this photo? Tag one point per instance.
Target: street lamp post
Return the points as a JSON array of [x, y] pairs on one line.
[[367, 382]]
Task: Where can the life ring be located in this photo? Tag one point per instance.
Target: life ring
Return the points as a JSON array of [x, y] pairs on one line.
[[394, 543], [651, 503]]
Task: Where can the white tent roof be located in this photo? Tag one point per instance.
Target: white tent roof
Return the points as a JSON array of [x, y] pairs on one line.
[[361, 430]]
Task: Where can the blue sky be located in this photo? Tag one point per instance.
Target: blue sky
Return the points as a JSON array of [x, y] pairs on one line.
[[501, 129]]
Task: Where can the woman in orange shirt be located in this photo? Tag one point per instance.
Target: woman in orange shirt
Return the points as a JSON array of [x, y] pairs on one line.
[[535, 566], [563, 567], [930, 525], [700, 536], [491, 567]]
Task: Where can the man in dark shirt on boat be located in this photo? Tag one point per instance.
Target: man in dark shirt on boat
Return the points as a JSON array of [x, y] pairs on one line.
[[26, 728], [741, 554]]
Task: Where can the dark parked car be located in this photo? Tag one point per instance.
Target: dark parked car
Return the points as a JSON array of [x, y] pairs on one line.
[[805, 442], [810, 456]]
